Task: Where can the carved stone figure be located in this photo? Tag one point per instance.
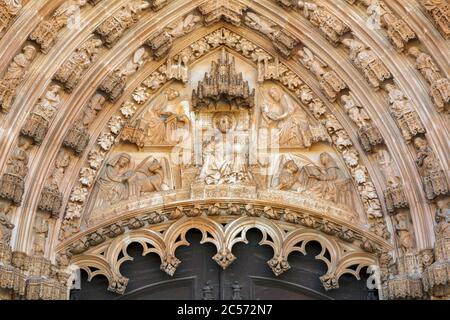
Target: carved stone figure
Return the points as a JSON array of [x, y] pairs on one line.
[[440, 12], [327, 180], [398, 32], [404, 235], [402, 110], [433, 176], [329, 81], [46, 32], [114, 84], [369, 135], [324, 181], [14, 75], [6, 226], [225, 161], [370, 200], [442, 218], [113, 28], [282, 41], [440, 86], [228, 10], [160, 123], [12, 183], [38, 121], [51, 197], [370, 65], [289, 177], [148, 177], [395, 195], [118, 180], [112, 183], [223, 83], [77, 137], [330, 25], [41, 229], [184, 26], [293, 124], [8, 10], [70, 73]]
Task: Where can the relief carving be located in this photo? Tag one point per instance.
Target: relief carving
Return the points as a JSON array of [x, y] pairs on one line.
[[114, 84], [440, 12], [330, 25], [281, 40], [440, 86], [434, 180], [8, 10], [324, 181], [369, 135], [6, 226], [398, 32], [12, 183], [294, 128], [330, 83], [77, 137], [404, 235], [370, 65], [51, 197], [41, 229], [47, 31], [113, 28], [402, 110], [14, 75], [161, 123], [225, 161], [119, 181], [71, 72], [38, 122]]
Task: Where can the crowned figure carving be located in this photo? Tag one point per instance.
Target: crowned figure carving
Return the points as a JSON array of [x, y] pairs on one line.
[[223, 83]]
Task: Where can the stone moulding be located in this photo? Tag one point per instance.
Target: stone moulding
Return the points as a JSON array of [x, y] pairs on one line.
[[340, 257]]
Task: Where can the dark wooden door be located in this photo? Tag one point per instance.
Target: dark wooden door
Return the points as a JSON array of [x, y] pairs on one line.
[[248, 277]]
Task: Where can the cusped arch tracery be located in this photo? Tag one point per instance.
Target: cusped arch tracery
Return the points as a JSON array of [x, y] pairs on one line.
[[339, 257]]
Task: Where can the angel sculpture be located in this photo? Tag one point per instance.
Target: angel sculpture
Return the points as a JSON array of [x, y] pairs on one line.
[[262, 25], [184, 26], [291, 121], [160, 122]]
